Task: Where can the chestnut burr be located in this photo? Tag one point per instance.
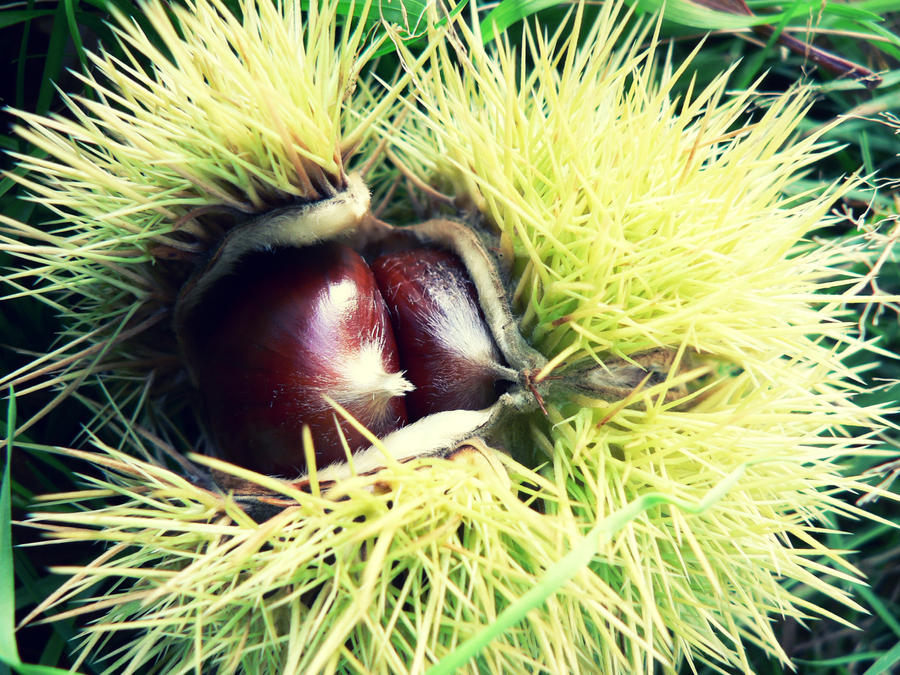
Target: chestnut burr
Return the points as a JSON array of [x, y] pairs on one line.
[[445, 345], [287, 329]]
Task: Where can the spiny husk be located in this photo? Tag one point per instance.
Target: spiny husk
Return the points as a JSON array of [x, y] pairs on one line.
[[382, 581], [229, 118], [636, 223], [143, 185], [641, 222]]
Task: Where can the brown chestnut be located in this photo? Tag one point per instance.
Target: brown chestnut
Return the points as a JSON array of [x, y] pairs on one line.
[[445, 345], [280, 318], [287, 328]]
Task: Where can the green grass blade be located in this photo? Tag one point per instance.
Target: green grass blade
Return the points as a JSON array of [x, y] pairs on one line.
[[578, 558], [880, 609], [840, 660], [754, 66], [59, 37], [688, 13], [886, 663], [509, 12], [11, 18], [9, 651], [34, 669], [852, 12], [70, 7]]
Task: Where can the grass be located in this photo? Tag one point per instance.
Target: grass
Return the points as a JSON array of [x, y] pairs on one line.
[[45, 41]]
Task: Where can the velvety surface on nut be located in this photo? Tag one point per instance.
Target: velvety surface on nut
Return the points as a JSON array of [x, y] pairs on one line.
[[286, 330], [445, 345]]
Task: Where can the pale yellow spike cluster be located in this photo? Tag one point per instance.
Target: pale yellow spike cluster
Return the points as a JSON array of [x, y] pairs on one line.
[[641, 221], [644, 221], [203, 121], [378, 582], [719, 576], [241, 113]]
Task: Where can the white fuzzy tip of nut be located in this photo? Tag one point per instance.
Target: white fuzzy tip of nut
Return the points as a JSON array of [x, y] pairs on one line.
[[364, 383]]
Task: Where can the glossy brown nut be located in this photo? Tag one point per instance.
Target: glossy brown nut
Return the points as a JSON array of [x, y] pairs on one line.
[[445, 345], [285, 329]]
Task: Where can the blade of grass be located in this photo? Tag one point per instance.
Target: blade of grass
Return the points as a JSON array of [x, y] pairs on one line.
[[509, 12], [9, 650], [692, 14], [11, 18], [20, 63], [578, 558], [878, 607], [841, 660], [59, 37], [886, 663], [70, 7], [754, 64]]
